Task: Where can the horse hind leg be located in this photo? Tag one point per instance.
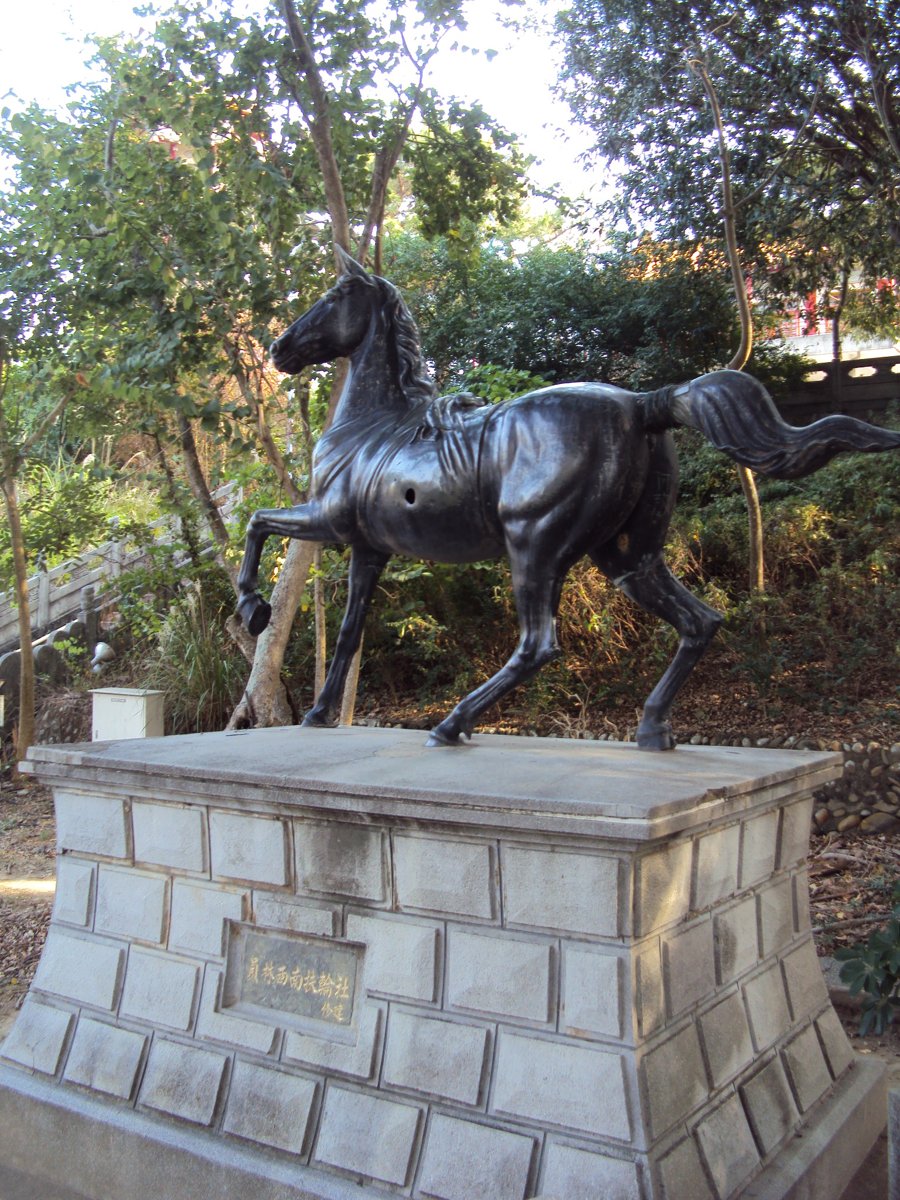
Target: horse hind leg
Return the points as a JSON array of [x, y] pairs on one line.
[[652, 585]]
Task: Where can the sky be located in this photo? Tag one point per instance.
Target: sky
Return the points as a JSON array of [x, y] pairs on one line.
[[43, 50]]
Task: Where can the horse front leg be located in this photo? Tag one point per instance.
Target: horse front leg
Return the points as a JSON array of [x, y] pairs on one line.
[[537, 586], [304, 521], [366, 566]]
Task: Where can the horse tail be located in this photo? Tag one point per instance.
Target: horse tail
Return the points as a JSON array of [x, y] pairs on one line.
[[738, 416]]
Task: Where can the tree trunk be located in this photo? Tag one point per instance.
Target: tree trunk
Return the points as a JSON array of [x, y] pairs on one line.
[[187, 530], [200, 490], [26, 669], [756, 565], [837, 379], [266, 700]]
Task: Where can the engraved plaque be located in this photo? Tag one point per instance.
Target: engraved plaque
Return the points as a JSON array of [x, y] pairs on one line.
[[292, 979]]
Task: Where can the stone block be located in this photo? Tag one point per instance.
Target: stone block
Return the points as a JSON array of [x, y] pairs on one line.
[[728, 1148], [462, 1160], [662, 890], [503, 975], [231, 1029], [681, 1174], [806, 987], [726, 1039], [271, 1107], [649, 1001], [571, 1173], [183, 1081], [445, 875], [105, 1058], [401, 955], [770, 1106], [73, 903], [736, 940], [802, 921], [716, 857], [776, 916], [689, 970], [674, 1079], [93, 824], [793, 836], [160, 989], [592, 992], [170, 835], [38, 1038], [276, 913], [132, 904], [838, 1051], [759, 844], [555, 1083], [199, 913], [359, 1060], [249, 848], [342, 859], [368, 1135], [80, 968], [766, 1007], [894, 1144], [559, 890], [806, 1068], [439, 1058]]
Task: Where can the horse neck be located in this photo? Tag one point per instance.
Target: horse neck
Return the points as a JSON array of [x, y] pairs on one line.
[[373, 386]]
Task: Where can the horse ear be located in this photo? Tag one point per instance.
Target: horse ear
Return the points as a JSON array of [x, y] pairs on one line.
[[349, 264]]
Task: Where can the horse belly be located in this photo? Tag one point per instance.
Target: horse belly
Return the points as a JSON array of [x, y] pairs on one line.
[[431, 515]]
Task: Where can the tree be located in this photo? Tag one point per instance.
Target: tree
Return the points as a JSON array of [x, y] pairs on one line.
[[809, 106], [155, 231], [16, 443], [638, 317]]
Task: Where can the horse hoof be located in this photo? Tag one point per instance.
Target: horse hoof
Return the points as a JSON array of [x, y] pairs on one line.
[[254, 612], [317, 720], [659, 738]]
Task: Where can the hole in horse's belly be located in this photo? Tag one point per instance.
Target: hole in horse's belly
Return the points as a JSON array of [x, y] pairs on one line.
[[410, 496]]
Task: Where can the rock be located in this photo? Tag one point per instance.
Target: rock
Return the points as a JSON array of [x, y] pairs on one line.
[[880, 822], [849, 766], [696, 740], [848, 822], [858, 748], [822, 817]]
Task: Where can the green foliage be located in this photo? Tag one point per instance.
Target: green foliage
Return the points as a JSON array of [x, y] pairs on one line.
[[635, 317], [805, 90], [193, 661], [874, 969]]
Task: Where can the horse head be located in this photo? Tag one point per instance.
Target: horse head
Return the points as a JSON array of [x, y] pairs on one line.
[[334, 326]]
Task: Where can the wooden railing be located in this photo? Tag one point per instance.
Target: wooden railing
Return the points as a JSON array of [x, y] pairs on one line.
[[57, 595], [860, 387]]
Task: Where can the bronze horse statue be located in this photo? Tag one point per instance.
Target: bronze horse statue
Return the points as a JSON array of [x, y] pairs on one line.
[[567, 471]]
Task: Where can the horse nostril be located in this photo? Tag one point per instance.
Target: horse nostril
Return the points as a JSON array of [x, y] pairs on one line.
[[273, 349], [410, 496]]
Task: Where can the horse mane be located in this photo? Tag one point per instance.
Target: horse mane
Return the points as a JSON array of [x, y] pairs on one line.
[[415, 382]]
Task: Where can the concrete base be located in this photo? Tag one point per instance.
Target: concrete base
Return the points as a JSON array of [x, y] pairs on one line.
[[319, 964], [894, 1144]]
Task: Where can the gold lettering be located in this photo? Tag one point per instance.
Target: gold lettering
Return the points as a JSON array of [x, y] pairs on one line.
[[342, 988], [253, 969], [282, 975], [268, 972]]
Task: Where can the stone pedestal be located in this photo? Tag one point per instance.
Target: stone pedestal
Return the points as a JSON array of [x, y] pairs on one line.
[[332, 963]]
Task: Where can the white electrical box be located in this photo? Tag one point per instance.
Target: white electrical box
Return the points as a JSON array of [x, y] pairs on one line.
[[127, 713]]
